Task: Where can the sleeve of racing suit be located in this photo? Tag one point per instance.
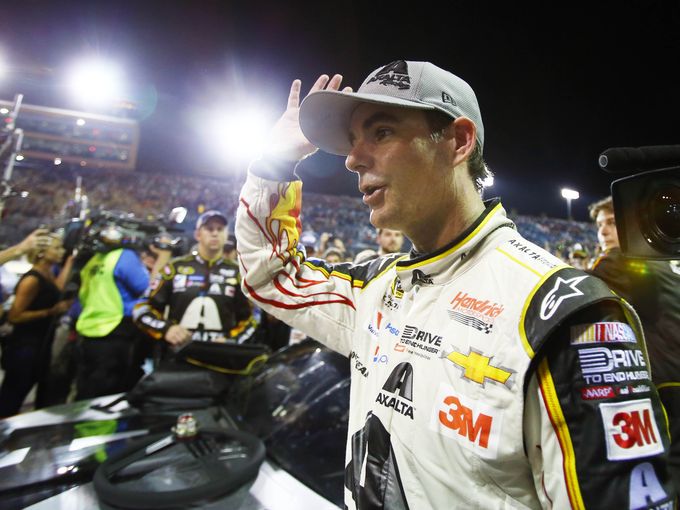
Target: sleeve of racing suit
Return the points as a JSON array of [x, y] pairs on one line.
[[148, 313], [595, 432], [316, 298], [243, 316]]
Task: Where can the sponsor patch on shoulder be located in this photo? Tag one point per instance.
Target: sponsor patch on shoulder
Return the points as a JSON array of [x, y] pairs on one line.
[[630, 430], [602, 332]]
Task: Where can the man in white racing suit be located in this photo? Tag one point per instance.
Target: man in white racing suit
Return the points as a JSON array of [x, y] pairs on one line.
[[485, 372]]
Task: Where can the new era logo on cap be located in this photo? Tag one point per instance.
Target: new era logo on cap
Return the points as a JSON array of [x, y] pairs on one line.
[[325, 115]]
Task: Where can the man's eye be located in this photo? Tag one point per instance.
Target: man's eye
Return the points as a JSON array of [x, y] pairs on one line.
[[381, 133]]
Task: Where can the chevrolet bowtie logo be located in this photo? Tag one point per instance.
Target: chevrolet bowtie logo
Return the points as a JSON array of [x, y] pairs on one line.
[[477, 368]]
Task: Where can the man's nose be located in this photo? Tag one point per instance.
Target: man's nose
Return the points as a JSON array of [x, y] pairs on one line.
[[358, 159]]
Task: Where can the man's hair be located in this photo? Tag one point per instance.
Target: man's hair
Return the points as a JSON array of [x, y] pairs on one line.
[[606, 204], [477, 167]]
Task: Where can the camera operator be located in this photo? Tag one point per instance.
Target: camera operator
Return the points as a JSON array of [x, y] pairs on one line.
[[202, 292], [653, 288], [111, 283]]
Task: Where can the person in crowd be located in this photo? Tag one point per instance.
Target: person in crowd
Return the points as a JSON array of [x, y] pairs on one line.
[[389, 241], [653, 288], [328, 241], [110, 285], [39, 238], [333, 255], [365, 256], [488, 394], [201, 291], [578, 256], [37, 303]]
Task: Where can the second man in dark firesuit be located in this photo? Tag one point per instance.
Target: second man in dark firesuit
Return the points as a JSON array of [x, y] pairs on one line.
[[197, 297]]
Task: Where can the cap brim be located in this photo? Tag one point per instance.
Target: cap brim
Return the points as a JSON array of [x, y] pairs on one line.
[[325, 116]]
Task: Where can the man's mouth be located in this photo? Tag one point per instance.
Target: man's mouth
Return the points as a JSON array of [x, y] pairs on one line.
[[373, 194]]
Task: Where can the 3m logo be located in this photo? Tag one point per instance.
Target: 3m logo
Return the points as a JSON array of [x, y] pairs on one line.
[[473, 424], [630, 430], [602, 332]]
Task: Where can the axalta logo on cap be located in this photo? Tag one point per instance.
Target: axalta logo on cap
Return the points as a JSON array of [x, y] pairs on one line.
[[482, 307], [630, 430]]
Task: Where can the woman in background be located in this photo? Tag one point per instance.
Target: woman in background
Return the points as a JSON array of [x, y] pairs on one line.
[[25, 353]]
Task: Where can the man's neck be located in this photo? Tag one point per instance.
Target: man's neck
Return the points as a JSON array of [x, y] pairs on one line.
[[208, 255], [439, 232]]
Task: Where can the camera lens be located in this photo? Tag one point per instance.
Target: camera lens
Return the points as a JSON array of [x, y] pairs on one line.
[[665, 213]]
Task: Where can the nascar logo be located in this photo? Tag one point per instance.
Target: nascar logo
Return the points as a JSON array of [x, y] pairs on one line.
[[602, 332]]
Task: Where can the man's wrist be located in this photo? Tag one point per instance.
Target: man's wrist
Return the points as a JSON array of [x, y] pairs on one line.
[[274, 169]]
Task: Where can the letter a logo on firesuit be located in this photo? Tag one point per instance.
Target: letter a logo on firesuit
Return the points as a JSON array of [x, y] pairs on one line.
[[400, 381]]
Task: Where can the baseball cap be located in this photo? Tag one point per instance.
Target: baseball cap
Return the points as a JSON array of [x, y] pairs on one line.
[[208, 215], [325, 114]]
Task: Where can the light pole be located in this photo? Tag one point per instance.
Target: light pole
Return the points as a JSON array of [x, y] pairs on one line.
[[569, 195]]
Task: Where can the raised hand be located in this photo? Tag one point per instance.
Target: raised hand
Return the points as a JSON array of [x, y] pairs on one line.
[[286, 140]]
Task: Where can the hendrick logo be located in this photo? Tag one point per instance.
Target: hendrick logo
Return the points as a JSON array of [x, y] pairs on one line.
[[397, 392], [479, 313], [395, 74], [563, 289]]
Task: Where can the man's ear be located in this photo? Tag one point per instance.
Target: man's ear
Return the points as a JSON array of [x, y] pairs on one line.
[[464, 132]]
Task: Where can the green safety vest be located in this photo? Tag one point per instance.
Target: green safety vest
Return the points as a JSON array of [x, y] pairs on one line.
[[99, 296]]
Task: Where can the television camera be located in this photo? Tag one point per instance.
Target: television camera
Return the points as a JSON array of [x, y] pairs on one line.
[[646, 203], [107, 230]]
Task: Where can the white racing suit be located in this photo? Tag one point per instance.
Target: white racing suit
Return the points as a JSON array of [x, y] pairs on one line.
[[486, 375]]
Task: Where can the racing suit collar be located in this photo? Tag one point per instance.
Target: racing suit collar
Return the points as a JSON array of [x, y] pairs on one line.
[[208, 263], [428, 268]]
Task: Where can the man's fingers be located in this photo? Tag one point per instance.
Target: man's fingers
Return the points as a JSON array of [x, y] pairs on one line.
[[347, 89], [319, 84], [334, 83], [294, 96]]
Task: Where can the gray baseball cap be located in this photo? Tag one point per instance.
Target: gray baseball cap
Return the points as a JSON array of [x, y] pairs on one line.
[[325, 115]]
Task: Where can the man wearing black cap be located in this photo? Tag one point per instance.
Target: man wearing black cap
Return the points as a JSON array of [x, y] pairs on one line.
[[201, 291], [506, 379]]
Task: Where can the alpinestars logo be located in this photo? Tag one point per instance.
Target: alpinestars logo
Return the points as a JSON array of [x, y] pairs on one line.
[[397, 392], [395, 74], [563, 289]]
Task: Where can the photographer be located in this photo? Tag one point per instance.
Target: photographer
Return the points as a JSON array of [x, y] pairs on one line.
[[25, 354], [653, 288]]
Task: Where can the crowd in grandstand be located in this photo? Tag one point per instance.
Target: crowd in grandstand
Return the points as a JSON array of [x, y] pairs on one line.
[[51, 190]]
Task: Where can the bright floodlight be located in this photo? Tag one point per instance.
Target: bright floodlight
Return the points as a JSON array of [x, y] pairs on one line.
[[569, 194], [237, 134], [95, 82]]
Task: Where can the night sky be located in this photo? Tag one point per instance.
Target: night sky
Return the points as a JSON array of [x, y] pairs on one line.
[[557, 82]]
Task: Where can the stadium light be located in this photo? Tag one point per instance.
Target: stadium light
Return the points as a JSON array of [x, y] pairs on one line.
[[237, 135], [95, 82], [569, 195]]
